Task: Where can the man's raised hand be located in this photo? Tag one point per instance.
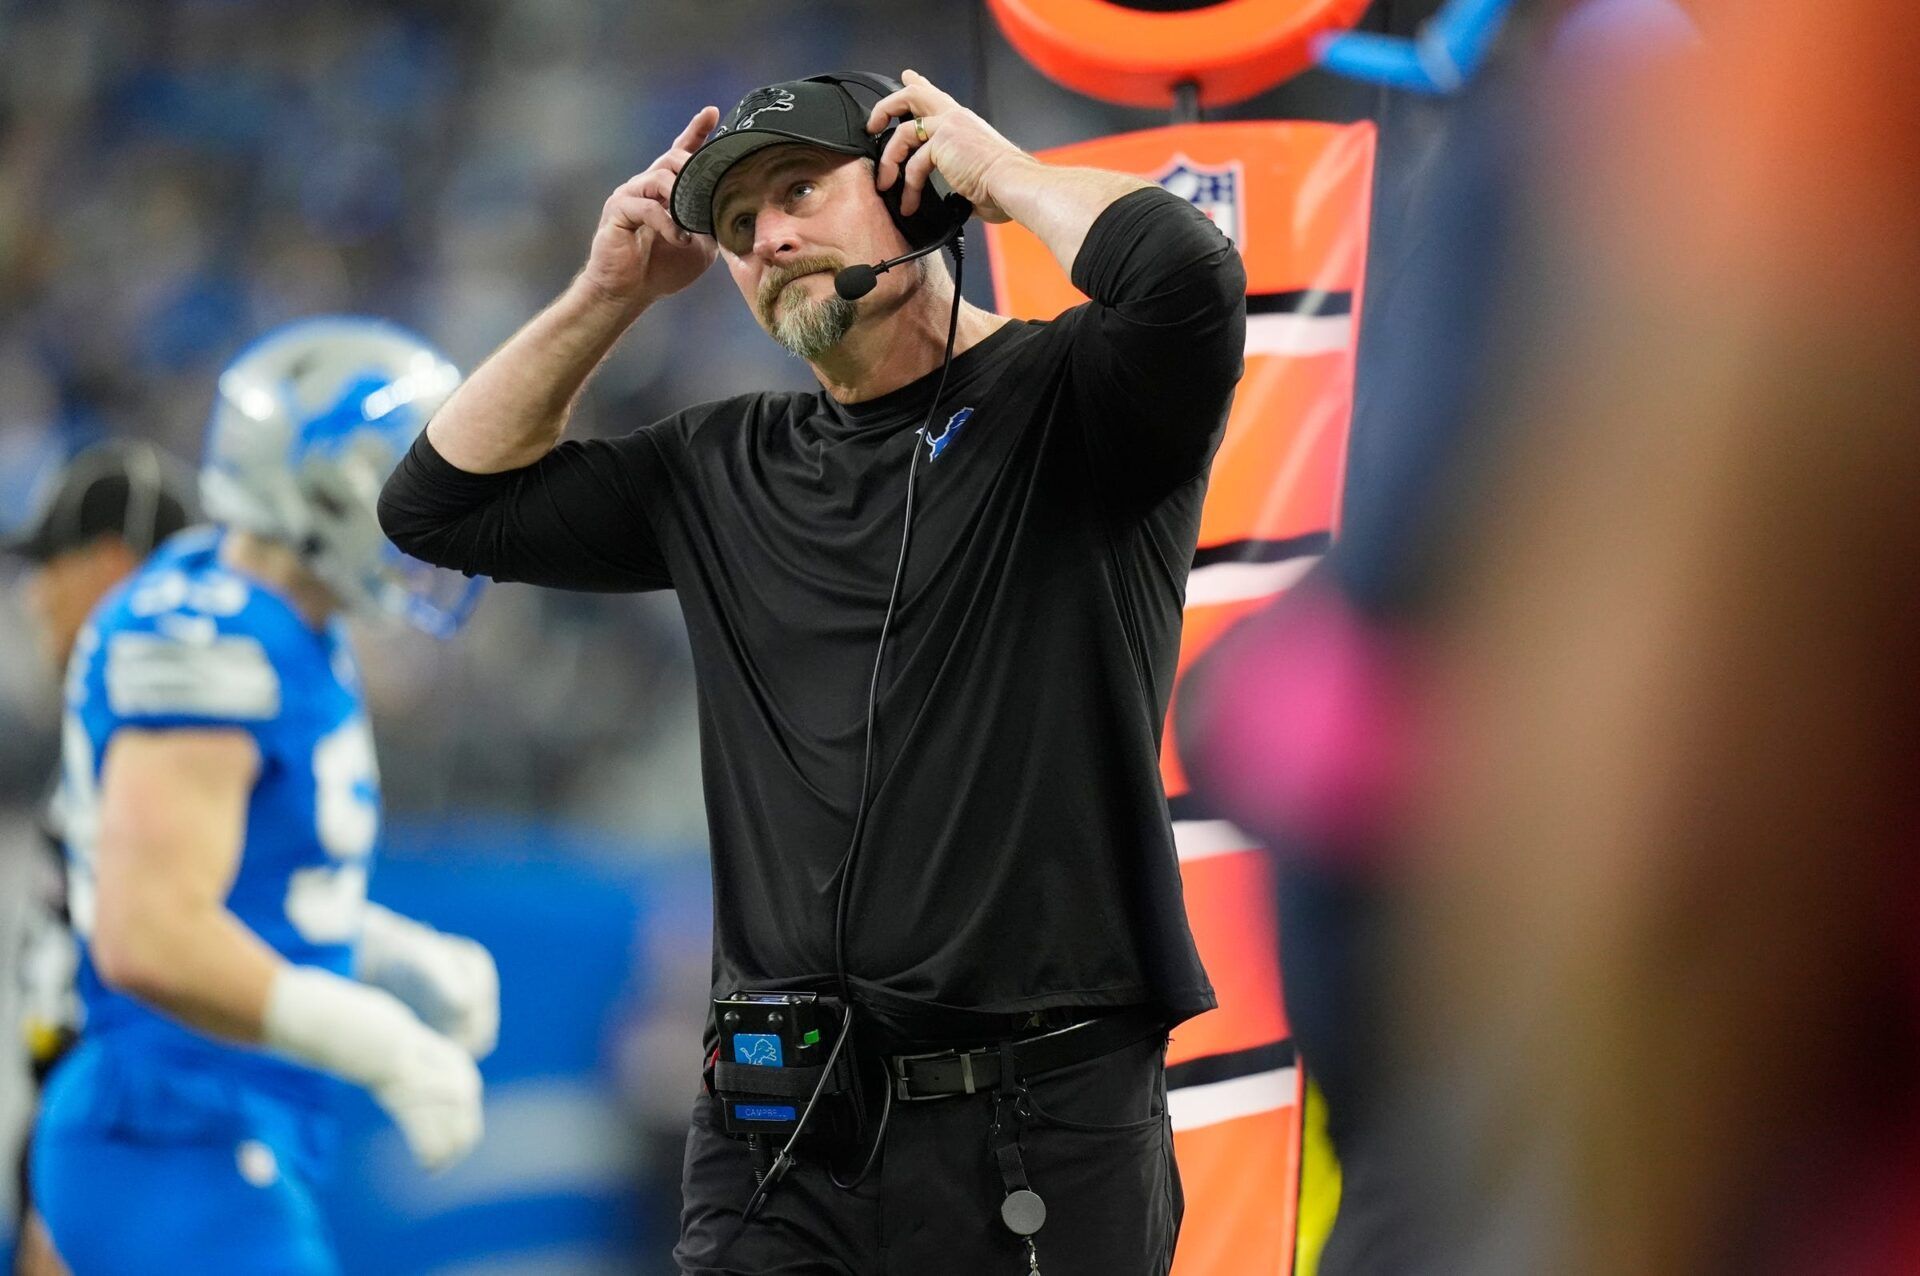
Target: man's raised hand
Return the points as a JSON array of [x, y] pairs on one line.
[[639, 253], [939, 133]]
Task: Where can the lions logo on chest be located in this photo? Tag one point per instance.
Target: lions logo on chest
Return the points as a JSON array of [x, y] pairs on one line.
[[937, 443]]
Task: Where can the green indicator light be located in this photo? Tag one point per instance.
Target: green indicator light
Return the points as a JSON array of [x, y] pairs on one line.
[[812, 1037]]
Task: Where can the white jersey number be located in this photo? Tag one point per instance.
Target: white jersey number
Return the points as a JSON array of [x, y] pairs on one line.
[[325, 903], [76, 816]]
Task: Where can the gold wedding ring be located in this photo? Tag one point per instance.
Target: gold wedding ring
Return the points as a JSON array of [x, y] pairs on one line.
[[919, 129]]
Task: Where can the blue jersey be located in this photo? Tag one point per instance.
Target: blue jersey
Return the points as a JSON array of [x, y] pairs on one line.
[[188, 643]]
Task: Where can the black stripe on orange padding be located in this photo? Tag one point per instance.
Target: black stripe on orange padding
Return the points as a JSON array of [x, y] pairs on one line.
[[1259, 551], [1300, 301], [1225, 1067], [1188, 806]]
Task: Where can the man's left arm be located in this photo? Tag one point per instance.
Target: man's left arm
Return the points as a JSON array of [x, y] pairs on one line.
[[1157, 355]]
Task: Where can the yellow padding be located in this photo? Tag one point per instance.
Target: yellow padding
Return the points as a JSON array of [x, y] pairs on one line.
[[1319, 1184]]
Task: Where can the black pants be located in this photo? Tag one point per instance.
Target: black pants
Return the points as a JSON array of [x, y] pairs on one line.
[[1097, 1147]]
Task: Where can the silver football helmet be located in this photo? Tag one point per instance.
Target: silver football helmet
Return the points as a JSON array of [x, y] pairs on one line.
[[308, 423]]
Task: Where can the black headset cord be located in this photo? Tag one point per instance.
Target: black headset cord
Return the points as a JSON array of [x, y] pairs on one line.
[[784, 1160]]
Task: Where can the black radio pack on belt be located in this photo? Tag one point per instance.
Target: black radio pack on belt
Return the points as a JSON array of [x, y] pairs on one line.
[[774, 1052]]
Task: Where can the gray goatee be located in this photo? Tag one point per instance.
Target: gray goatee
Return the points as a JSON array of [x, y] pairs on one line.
[[806, 327]]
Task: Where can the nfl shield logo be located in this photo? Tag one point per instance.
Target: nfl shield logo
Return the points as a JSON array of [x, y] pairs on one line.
[[1214, 191]]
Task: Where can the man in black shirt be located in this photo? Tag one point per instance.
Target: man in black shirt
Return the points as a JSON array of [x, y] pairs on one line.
[[1013, 870]]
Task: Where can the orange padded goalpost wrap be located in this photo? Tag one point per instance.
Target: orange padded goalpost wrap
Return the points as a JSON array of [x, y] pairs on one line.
[[1295, 198], [1229, 51]]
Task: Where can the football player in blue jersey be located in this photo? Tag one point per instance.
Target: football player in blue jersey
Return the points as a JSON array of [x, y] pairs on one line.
[[221, 808]]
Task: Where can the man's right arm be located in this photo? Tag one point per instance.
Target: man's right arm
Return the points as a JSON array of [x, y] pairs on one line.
[[513, 409], [489, 489]]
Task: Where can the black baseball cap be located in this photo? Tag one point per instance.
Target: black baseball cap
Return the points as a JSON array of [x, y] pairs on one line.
[[827, 112], [127, 489]]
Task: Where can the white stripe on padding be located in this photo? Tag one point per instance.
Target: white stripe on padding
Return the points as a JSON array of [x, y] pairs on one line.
[[199, 675], [1286, 334], [1196, 1105], [1238, 582], [1199, 839]]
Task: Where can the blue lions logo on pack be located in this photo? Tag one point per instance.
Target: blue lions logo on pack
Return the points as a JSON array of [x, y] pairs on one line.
[[755, 104], [761, 1049], [1214, 191], [937, 443]]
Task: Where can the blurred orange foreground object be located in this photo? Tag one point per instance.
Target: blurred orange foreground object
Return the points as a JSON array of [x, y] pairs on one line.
[[1233, 50], [1295, 199]]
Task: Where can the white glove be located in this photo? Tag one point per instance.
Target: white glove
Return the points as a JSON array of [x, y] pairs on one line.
[[426, 1082], [449, 980]]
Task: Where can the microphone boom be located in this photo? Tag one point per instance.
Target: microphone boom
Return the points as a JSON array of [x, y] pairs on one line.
[[855, 282]]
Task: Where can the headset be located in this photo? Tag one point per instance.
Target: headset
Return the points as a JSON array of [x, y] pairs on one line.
[[941, 211]]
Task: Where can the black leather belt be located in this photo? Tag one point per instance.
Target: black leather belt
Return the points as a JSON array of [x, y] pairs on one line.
[[941, 1073]]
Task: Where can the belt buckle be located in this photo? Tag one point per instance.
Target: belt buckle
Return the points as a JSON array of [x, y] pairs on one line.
[[897, 1065]]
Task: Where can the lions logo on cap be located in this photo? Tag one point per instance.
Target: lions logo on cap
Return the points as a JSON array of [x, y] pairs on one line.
[[756, 103]]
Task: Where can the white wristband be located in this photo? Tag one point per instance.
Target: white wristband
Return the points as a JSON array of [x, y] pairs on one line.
[[337, 1025]]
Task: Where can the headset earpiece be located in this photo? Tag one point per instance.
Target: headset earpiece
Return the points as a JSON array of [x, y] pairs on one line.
[[940, 209]]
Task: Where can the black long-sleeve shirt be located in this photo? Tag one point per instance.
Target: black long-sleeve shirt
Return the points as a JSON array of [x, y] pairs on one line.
[[1018, 854]]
